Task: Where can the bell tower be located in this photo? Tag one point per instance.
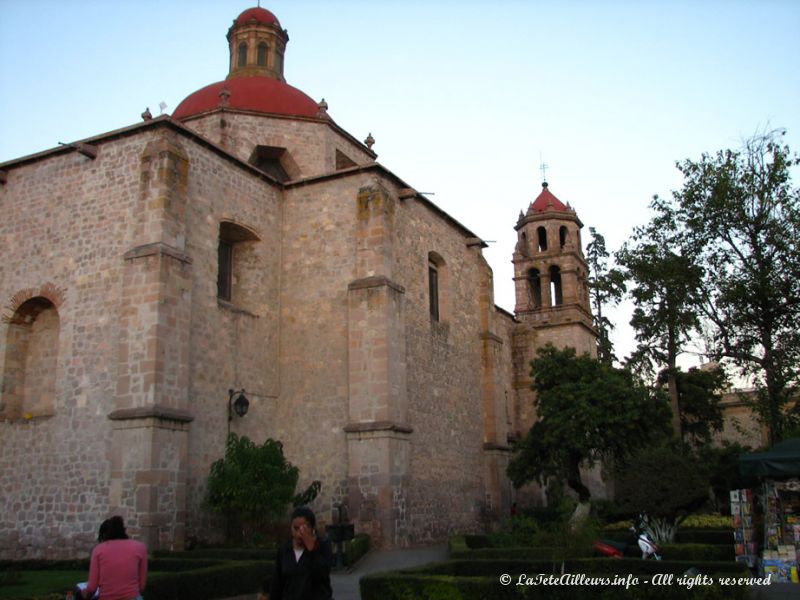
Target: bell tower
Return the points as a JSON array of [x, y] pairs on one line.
[[257, 45], [552, 297]]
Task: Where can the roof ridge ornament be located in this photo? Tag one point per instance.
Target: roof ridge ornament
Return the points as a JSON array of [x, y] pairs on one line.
[[224, 97], [323, 109]]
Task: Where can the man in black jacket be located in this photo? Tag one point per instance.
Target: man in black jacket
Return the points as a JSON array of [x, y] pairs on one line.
[[303, 564]]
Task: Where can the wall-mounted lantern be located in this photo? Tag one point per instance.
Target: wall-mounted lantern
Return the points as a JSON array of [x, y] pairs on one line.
[[238, 406]]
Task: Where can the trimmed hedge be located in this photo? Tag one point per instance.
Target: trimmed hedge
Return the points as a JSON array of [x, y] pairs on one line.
[[594, 566], [403, 585], [475, 547], [684, 536], [474, 572], [354, 549], [704, 536], [697, 552], [178, 578], [223, 580], [220, 554], [34, 564]]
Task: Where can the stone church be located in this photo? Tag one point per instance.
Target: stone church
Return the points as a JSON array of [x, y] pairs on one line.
[[247, 247]]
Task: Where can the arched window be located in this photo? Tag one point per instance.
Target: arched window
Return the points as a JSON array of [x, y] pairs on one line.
[[234, 256], [242, 59], [262, 54], [437, 287], [563, 235], [433, 290], [541, 234], [279, 62], [556, 293], [535, 288], [29, 380]]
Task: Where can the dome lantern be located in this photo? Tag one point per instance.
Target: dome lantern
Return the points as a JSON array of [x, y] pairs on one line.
[[257, 45]]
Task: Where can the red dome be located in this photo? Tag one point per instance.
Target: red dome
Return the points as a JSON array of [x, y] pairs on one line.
[[259, 94], [259, 14]]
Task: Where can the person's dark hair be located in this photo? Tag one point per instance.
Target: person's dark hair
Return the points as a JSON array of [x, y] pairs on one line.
[[102, 533], [116, 529], [306, 513]]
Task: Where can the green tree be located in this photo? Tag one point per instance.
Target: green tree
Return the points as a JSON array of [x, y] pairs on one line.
[[253, 484], [665, 286], [606, 288], [587, 411], [664, 482], [699, 396], [739, 214], [722, 465]]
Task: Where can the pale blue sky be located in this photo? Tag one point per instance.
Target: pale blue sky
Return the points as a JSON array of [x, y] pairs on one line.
[[462, 98]]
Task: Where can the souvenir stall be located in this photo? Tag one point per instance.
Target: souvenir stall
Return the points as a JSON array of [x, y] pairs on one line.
[[767, 518]]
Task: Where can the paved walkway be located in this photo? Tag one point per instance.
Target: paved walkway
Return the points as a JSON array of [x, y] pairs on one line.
[[345, 585]]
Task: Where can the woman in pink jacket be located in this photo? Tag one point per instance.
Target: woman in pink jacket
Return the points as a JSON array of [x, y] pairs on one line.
[[118, 567]]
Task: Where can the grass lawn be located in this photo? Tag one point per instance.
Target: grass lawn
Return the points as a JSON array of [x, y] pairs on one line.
[[34, 583]]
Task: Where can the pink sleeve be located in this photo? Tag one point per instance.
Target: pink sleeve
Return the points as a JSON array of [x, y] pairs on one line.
[[94, 575]]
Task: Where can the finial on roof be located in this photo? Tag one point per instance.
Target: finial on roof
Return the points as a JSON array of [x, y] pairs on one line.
[[543, 168], [147, 115], [323, 109], [370, 141], [224, 97]]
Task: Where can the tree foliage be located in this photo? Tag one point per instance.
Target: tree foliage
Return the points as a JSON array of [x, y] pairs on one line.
[[254, 484], [606, 288], [699, 396], [732, 235], [664, 482], [665, 286], [741, 216], [587, 411]]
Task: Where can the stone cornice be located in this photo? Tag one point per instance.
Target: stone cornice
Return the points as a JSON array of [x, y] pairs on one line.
[[494, 447], [375, 281], [488, 335], [155, 411], [373, 426], [157, 248]]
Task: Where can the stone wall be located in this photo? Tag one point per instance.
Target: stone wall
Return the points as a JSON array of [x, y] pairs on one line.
[[233, 345], [446, 490], [125, 249], [311, 144], [404, 417], [65, 229]]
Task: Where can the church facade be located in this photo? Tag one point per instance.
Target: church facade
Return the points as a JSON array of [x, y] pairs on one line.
[[247, 246]]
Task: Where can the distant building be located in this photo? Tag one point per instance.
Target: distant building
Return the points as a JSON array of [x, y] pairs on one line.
[[248, 245]]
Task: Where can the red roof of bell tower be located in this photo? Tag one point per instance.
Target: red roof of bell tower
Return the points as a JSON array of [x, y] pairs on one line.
[[547, 202], [262, 15]]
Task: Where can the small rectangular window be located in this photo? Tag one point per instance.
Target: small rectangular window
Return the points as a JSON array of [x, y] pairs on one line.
[[433, 290], [225, 273]]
